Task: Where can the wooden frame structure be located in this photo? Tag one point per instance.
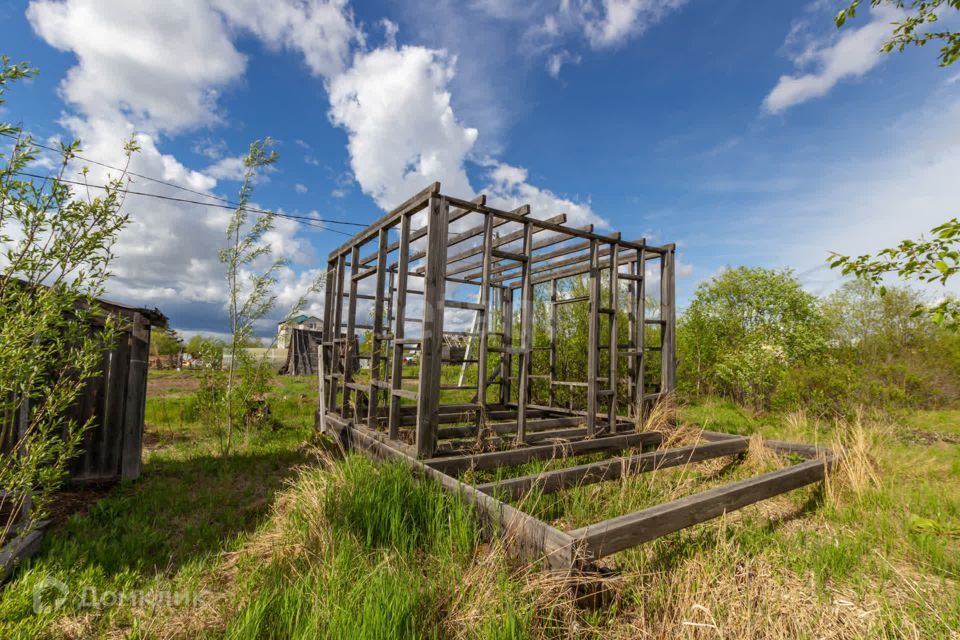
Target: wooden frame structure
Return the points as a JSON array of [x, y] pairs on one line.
[[439, 265]]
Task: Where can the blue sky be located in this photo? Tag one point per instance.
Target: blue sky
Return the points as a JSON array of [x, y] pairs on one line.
[[747, 133]]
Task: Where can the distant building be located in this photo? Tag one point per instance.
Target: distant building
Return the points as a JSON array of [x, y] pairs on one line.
[[301, 321]]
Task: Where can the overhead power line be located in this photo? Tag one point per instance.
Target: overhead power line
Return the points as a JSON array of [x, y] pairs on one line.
[[306, 220], [227, 204]]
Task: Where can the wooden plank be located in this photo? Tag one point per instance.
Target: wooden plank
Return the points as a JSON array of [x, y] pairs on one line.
[[553, 343], [506, 360], [613, 338], [456, 464], [19, 549], [545, 225], [668, 313], [349, 347], [375, 340], [527, 536], [526, 340], [511, 427], [483, 317], [607, 537], [434, 287], [396, 358], [593, 338], [136, 399], [414, 204], [552, 481]]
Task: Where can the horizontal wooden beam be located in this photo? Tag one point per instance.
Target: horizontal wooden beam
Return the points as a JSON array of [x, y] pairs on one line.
[[551, 481], [510, 427], [623, 532], [456, 464], [417, 202], [805, 450]]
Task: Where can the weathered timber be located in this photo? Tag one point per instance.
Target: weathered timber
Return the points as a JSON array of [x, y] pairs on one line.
[[552, 481], [457, 464], [623, 532]]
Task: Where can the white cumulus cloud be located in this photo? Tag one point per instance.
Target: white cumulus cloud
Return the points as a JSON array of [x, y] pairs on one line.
[[851, 54]]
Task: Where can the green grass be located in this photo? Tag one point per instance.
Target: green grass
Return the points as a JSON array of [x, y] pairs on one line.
[[277, 548]]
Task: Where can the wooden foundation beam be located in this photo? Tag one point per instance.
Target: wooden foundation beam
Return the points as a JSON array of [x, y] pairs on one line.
[[553, 481], [456, 464], [607, 537]]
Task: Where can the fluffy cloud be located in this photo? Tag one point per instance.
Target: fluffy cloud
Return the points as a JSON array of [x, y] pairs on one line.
[[394, 103], [124, 84], [321, 30], [851, 54], [403, 134], [508, 188], [161, 65], [613, 21]]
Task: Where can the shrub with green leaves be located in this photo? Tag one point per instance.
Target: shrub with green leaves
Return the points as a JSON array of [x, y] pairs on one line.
[[55, 256], [744, 330]]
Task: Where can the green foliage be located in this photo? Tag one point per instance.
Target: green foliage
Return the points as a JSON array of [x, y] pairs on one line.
[[743, 330], [916, 28], [56, 250], [209, 349], [165, 342], [932, 260]]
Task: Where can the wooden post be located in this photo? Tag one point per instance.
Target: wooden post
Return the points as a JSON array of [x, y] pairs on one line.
[[613, 338], [593, 340], [396, 359], [526, 336], [668, 314], [374, 392], [349, 344], [336, 330], [483, 315], [553, 341], [642, 335], [321, 391], [434, 290], [136, 400], [506, 341]]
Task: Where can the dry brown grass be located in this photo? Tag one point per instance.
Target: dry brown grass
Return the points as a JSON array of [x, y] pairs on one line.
[[856, 468]]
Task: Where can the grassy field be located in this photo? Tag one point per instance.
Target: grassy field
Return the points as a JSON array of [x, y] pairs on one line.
[[285, 540]]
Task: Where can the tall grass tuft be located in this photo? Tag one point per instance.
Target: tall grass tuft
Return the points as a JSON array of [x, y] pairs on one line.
[[856, 470]]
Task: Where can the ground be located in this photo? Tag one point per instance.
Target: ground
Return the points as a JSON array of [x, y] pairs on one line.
[[283, 539]]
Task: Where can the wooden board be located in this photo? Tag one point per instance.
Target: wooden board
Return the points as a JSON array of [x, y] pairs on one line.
[[552, 481], [456, 464], [623, 532]]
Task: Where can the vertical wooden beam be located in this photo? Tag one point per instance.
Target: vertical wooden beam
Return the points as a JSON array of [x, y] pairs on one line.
[[613, 338], [136, 400], [642, 334], [349, 344], [431, 346], [396, 358], [668, 314], [484, 315], [526, 335], [553, 341], [335, 327], [374, 394], [506, 361], [327, 346], [593, 339]]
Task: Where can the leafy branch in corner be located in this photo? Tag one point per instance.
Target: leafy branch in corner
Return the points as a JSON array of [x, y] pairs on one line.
[[916, 27], [932, 260]]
